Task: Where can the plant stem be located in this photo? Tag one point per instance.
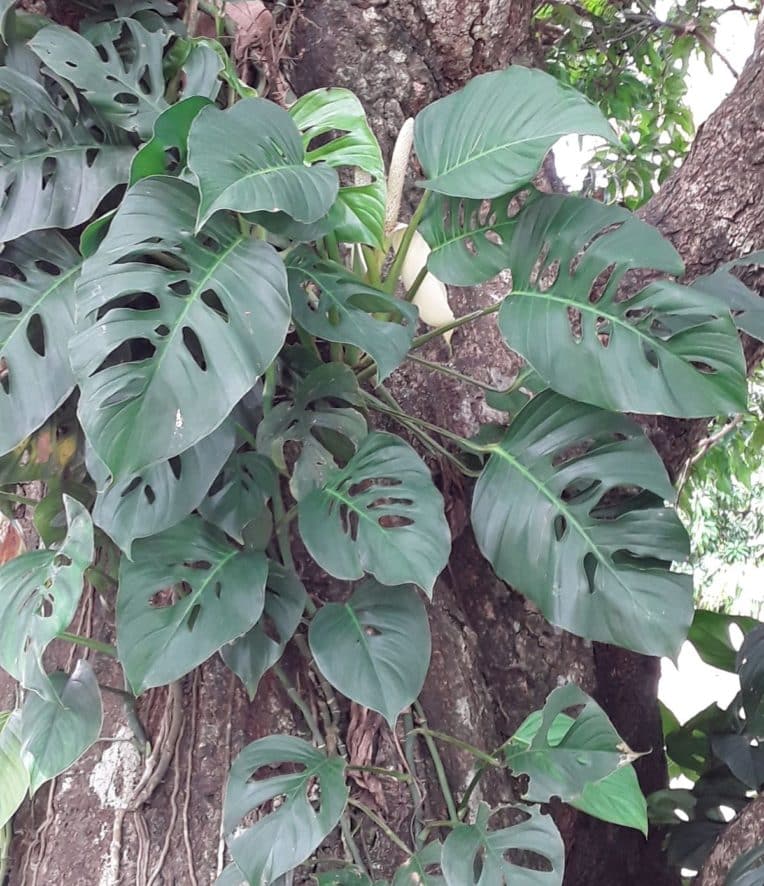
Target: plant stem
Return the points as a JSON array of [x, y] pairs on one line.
[[421, 340], [445, 788], [418, 280], [414, 789], [298, 702], [465, 746], [332, 248], [347, 836], [382, 825], [221, 21], [379, 770], [282, 529], [336, 352], [463, 803], [391, 281], [95, 645], [269, 388], [453, 373]]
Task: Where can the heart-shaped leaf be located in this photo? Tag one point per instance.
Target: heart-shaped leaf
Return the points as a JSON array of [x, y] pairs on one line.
[[491, 137], [250, 656], [669, 349], [160, 496], [382, 501], [118, 69], [284, 836], [36, 322], [14, 778], [581, 762], [39, 594], [331, 303], [56, 733], [187, 592], [54, 172], [474, 855], [182, 357], [600, 571], [314, 420], [259, 165], [363, 647]]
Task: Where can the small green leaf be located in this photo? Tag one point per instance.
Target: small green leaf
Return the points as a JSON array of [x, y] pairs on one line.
[[171, 130], [259, 165], [39, 595], [14, 778], [417, 870], [250, 656], [710, 635], [383, 500], [474, 855], [363, 647], [285, 836], [54, 734], [160, 638], [600, 571], [491, 137], [331, 303]]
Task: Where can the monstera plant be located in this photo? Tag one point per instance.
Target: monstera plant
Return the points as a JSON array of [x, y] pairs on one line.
[[201, 301]]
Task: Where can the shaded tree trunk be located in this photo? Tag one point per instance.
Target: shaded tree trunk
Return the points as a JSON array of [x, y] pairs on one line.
[[494, 657]]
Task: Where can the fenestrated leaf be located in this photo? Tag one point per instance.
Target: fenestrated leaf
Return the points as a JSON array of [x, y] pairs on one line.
[[491, 137], [710, 635], [14, 778], [747, 307], [161, 638], [55, 733], [751, 670], [744, 755], [127, 86], [575, 758], [381, 514], [669, 349], [331, 303], [250, 656], [358, 214], [170, 134], [161, 495], [599, 571], [182, 357], [313, 420], [53, 172], [474, 855], [259, 165], [39, 594], [284, 837], [37, 277], [363, 647]]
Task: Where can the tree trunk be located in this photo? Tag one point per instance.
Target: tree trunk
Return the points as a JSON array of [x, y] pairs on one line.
[[494, 657]]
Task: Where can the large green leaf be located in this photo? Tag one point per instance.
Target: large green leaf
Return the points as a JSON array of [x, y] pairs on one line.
[[284, 836], [751, 670], [55, 733], [14, 778], [358, 214], [159, 496], [314, 420], [187, 592], [363, 647], [53, 171], [37, 277], [250, 656], [669, 349], [259, 165], [491, 137], [577, 762], [598, 570], [331, 303], [182, 357], [118, 69], [474, 855], [710, 635], [381, 514], [39, 594]]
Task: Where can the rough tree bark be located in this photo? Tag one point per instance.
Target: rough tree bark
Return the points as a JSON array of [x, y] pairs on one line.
[[494, 657]]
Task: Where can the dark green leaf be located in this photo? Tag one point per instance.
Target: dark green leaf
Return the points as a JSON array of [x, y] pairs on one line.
[[748, 869], [744, 755], [259, 165], [474, 855], [491, 137], [55, 733], [182, 358], [250, 656], [171, 130], [37, 277], [382, 501], [710, 635], [641, 354], [331, 303], [364, 646], [599, 572], [14, 778], [284, 837], [161, 638], [751, 669]]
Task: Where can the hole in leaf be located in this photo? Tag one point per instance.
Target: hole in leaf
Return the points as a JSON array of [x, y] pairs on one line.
[[394, 521], [210, 298], [175, 466], [197, 564], [371, 631], [600, 284], [604, 330], [370, 482], [45, 609], [494, 237], [36, 334], [47, 267], [650, 355], [208, 242], [162, 330], [104, 56], [705, 368], [194, 347], [469, 245], [527, 858], [5, 377], [580, 489], [8, 306], [49, 165], [478, 864], [91, 155], [574, 321], [150, 494], [590, 569], [126, 98], [217, 590], [193, 615], [181, 287], [538, 265], [132, 486], [62, 560], [548, 277], [161, 599], [560, 527]]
